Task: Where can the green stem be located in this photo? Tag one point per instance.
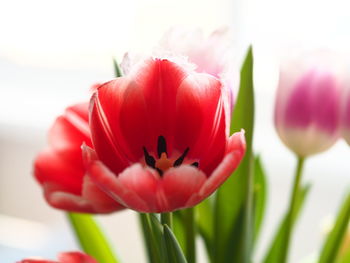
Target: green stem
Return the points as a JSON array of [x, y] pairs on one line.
[[167, 219], [190, 232], [292, 208]]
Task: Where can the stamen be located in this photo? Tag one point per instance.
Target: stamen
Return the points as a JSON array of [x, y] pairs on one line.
[[181, 158], [195, 164], [150, 161], [161, 146]]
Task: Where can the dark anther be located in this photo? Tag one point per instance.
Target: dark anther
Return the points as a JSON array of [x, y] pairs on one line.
[[181, 158], [161, 146], [150, 161], [195, 164]]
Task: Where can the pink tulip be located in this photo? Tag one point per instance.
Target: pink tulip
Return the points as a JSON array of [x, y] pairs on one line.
[[67, 257], [161, 137], [307, 106], [60, 169]]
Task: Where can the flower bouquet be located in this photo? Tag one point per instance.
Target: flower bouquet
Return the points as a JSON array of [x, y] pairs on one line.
[[171, 138]]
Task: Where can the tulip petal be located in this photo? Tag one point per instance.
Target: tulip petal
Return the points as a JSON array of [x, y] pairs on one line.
[[236, 150], [99, 200], [179, 184], [71, 129], [143, 182], [75, 257], [49, 166], [64, 200], [110, 184], [200, 120], [105, 142], [148, 108]]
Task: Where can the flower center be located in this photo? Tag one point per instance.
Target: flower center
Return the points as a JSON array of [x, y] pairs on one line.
[[163, 163]]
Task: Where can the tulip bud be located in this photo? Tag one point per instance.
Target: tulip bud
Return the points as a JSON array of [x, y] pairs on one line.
[[307, 112]]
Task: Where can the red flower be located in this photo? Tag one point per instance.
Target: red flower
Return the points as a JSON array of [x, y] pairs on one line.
[[60, 169], [161, 137], [68, 257]]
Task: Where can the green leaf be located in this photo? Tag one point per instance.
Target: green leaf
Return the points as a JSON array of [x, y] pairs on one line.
[[150, 241], [158, 241], [91, 239], [117, 69], [335, 237], [274, 253], [179, 229], [260, 194], [175, 254], [205, 224], [236, 194]]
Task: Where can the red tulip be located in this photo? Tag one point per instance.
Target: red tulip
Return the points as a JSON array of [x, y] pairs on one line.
[[60, 169], [161, 137], [68, 257]]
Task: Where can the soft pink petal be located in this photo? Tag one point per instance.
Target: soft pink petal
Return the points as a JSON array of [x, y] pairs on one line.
[[110, 184], [99, 200], [143, 182], [66, 201], [179, 184]]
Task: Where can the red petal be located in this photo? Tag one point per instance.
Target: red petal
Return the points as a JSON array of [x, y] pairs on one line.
[[106, 143], [179, 184], [200, 120], [71, 129], [236, 150], [75, 257], [51, 166]]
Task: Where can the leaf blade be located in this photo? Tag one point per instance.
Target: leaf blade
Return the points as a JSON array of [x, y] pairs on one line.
[[175, 253], [333, 242], [274, 253], [236, 193], [91, 238]]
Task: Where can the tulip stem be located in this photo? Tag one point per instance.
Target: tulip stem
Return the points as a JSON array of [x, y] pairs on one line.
[[292, 208], [167, 219], [190, 232]]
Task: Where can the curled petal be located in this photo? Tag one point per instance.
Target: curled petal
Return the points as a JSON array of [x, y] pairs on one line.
[[236, 149]]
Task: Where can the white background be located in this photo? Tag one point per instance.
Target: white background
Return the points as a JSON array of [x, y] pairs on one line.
[[52, 51]]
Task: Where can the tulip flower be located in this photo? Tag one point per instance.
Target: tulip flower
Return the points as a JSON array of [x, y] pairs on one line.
[[307, 107], [60, 169], [346, 117], [67, 257], [160, 137]]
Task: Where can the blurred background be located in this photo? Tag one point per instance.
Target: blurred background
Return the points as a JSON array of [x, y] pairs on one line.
[[51, 52]]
